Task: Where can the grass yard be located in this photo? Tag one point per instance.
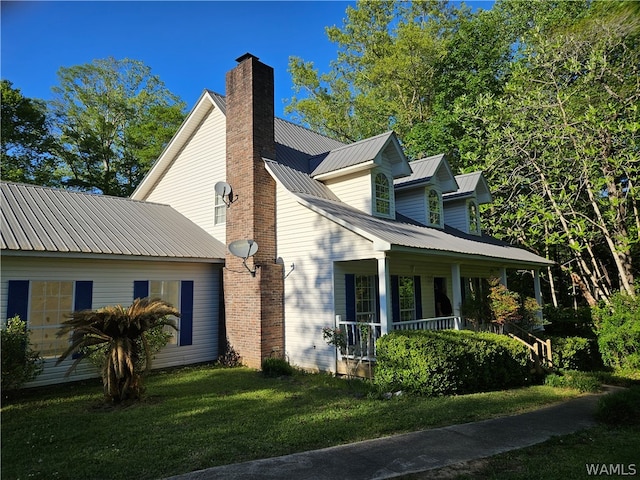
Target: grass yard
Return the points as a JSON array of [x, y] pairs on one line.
[[198, 417], [601, 449]]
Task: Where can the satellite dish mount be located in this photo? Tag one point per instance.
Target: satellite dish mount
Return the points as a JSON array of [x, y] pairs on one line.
[[245, 249], [226, 193]]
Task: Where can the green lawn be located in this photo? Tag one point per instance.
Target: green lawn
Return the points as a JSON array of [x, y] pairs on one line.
[[203, 416], [612, 452]]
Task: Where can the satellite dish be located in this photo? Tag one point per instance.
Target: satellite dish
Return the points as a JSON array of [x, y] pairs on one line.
[[222, 188], [245, 249], [225, 191]]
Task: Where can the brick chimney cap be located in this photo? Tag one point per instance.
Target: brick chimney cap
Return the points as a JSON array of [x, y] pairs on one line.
[[246, 56]]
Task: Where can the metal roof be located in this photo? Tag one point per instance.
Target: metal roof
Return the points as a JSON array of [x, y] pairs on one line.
[[424, 170], [349, 155], [295, 145], [471, 184], [299, 182], [396, 233], [41, 219]]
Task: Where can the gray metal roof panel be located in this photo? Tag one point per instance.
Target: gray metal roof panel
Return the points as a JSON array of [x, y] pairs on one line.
[[470, 184], [412, 235], [423, 170], [48, 220], [299, 182], [295, 144], [349, 155]]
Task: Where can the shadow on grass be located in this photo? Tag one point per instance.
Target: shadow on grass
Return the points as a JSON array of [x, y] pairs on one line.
[[199, 417]]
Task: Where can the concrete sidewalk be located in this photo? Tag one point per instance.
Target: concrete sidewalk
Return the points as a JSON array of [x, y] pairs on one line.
[[416, 452]]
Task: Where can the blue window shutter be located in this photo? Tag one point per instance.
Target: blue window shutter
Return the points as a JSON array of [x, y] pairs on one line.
[[186, 312], [84, 295], [140, 289], [350, 293], [18, 299], [395, 298], [417, 290]]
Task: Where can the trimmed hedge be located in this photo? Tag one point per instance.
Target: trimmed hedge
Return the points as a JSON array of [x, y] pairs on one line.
[[450, 362], [576, 353]]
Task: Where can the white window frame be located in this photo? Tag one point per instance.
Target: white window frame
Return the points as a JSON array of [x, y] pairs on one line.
[[365, 294], [162, 289], [58, 310], [440, 212], [473, 222], [219, 211], [407, 302], [378, 199]]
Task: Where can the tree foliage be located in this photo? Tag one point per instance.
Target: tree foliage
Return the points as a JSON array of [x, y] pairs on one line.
[[560, 148], [27, 143], [113, 118], [541, 96], [400, 65]]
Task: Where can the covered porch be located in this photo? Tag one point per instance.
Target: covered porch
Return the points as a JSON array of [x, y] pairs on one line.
[[400, 291]]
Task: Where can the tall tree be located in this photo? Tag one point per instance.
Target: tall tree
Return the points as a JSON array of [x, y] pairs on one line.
[[561, 146], [26, 139], [113, 118], [400, 66]]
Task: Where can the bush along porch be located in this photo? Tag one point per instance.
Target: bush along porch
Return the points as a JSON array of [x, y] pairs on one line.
[[500, 320]]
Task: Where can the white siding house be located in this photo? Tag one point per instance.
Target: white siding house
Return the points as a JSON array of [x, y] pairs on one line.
[[64, 251], [362, 235]]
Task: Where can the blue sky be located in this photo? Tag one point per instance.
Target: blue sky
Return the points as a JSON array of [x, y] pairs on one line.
[[189, 45]]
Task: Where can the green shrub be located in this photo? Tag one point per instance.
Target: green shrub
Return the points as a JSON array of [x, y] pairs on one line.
[[618, 330], [276, 367], [449, 362], [620, 408], [20, 364], [576, 353], [582, 381]]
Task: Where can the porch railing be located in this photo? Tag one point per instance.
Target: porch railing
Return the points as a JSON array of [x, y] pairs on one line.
[[361, 337], [437, 323]]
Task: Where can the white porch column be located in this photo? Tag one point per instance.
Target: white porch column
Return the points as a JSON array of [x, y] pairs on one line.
[[384, 290], [503, 276], [538, 292], [456, 294]]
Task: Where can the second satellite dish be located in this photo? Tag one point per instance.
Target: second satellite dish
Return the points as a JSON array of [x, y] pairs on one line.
[[243, 248]]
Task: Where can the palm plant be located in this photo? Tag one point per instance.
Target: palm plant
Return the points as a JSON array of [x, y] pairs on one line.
[[122, 334]]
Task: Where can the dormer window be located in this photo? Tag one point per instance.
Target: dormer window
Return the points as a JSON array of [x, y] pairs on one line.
[[382, 199], [434, 208], [473, 217]]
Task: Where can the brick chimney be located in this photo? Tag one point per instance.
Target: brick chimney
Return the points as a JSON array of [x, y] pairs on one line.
[[254, 305]]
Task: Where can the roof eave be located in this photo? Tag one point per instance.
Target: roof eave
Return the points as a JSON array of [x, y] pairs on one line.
[[366, 165], [204, 104], [107, 256]]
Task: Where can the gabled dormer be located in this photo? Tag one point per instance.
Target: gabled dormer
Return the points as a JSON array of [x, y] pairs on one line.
[[362, 174], [462, 206], [419, 196]]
